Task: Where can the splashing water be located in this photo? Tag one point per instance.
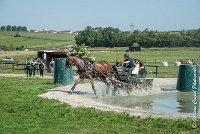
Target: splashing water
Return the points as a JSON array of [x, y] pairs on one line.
[[168, 101]]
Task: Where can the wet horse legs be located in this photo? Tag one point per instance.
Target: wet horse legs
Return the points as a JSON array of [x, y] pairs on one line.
[[75, 84], [93, 87]]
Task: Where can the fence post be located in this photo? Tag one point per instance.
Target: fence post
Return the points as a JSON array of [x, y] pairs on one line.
[[1, 67], [13, 66], [156, 71]]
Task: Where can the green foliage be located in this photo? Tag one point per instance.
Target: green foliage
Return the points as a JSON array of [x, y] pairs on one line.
[[14, 28], [4, 47], [19, 28], [21, 48], [100, 37], [135, 44], [3, 28], [8, 28], [82, 52], [17, 34], [113, 37], [24, 28], [23, 111]]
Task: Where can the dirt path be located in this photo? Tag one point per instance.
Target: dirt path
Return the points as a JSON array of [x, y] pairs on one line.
[[24, 76]]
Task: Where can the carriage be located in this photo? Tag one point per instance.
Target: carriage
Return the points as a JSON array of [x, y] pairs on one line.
[[133, 82]]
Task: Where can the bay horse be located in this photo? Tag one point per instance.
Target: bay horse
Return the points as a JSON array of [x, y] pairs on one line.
[[87, 70]]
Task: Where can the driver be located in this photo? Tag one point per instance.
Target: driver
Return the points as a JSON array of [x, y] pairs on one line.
[[128, 64]]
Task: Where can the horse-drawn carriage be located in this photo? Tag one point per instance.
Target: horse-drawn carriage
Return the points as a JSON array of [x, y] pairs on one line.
[[103, 71], [133, 82]]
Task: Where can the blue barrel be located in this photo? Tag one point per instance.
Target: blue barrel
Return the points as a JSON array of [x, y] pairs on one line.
[[188, 78], [63, 75]]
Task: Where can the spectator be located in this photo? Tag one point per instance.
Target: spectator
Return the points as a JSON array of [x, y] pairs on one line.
[[28, 68], [52, 66], [41, 68], [33, 67]]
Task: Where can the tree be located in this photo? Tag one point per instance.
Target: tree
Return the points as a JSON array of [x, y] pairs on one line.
[[24, 28], [113, 37], [3, 28], [14, 28], [19, 28], [8, 28]]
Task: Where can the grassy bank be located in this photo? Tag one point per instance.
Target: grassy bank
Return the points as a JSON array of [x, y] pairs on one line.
[[23, 111], [35, 41]]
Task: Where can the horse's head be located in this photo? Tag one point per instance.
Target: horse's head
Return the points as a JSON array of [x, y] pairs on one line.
[[70, 60]]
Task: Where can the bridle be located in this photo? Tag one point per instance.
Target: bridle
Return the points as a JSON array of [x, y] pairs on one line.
[[74, 61]]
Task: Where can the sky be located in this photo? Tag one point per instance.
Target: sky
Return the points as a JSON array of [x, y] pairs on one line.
[[75, 15]]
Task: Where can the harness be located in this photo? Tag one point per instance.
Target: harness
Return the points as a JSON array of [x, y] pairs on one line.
[[91, 67]]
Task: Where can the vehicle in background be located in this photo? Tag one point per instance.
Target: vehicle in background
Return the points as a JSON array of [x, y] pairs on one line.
[[8, 59]]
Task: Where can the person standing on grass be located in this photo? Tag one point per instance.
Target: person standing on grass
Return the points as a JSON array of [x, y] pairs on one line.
[[52, 66], [33, 67], [41, 68], [28, 68]]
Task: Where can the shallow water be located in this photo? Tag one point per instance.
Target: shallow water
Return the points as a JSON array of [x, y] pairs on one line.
[[159, 101]]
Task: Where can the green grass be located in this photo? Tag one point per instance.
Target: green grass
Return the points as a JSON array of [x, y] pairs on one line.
[[49, 36], [152, 56], [149, 55], [36, 41], [22, 111]]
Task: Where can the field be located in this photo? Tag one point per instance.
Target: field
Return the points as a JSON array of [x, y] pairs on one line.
[[153, 55], [150, 56], [36, 41], [23, 111]]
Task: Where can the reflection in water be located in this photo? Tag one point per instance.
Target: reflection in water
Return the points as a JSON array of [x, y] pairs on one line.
[[185, 102], [169, 102], [137, 102]]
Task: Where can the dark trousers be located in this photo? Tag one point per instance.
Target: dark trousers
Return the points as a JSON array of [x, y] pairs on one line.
[[129, 71], [143, 73], [28, 72], [33, 71], [41, 72]]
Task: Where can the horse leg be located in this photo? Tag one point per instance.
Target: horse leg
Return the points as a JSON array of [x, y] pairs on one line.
[[92, 83], [93, 87], [108, 85], [75, 84]]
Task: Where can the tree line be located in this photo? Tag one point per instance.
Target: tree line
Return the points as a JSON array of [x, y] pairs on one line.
[[13, 28], [113, 37]]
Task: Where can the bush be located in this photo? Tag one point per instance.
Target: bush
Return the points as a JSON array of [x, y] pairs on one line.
[[135, 44], [17, 34]]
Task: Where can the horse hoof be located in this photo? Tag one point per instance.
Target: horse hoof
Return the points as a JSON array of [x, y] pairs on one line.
[[69, 92], [95, 97]]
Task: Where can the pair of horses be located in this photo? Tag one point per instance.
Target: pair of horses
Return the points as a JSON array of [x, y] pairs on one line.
[[101, 70]]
